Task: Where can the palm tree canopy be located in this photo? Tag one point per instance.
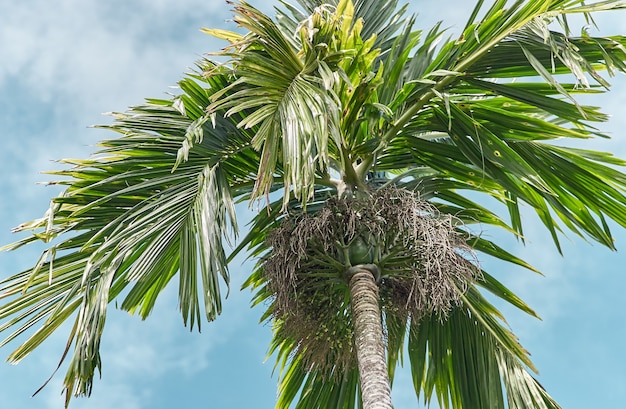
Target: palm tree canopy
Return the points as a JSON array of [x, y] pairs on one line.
[[327, 99]]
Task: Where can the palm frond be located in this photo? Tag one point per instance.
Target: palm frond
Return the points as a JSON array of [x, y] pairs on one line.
[[294, 109], [464, 361], [498, 133], [311, 388], [155, 202]]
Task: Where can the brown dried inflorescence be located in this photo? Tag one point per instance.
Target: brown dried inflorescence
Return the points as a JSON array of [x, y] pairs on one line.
[[424, 260]]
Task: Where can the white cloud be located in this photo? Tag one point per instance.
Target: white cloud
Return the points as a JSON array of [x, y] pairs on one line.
[[87, 57], [111, 395]]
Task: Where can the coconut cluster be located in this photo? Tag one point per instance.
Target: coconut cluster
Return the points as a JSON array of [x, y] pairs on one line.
[[423, 257]]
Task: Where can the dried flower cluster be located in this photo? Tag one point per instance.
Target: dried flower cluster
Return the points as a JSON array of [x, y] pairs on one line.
[[423, 257]]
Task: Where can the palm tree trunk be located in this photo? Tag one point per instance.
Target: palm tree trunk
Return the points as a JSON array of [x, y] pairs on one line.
[[368, 340]]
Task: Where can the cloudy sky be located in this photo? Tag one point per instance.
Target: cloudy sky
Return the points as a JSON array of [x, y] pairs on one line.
[[63, 63]]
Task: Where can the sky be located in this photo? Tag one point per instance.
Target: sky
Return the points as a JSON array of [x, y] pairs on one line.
[[64, 63]]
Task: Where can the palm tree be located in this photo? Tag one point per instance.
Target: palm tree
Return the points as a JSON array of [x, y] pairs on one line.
[[367, 145]]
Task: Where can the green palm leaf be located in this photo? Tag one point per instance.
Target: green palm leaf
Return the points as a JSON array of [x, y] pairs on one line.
[[155, 202]]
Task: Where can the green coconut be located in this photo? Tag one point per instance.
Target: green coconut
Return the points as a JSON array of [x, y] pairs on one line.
[[360, 252]]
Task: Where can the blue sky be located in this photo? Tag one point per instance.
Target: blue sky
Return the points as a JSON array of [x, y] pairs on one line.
[[65, 62]]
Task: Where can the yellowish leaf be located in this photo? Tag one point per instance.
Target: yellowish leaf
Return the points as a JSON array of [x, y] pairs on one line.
[[227, 35]]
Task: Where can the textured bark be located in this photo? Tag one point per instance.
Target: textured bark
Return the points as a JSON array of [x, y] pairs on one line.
[[368, 340]]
